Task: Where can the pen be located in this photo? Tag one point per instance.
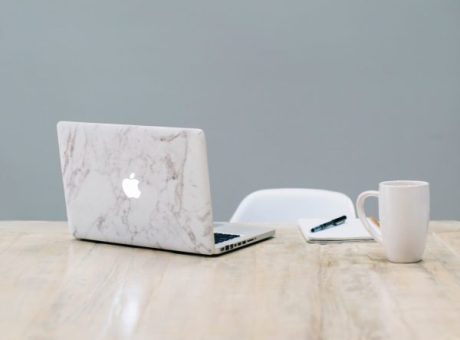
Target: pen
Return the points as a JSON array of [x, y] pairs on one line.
[[333, 223]]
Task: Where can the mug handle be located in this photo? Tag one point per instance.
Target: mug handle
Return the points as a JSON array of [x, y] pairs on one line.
[[373, 230]]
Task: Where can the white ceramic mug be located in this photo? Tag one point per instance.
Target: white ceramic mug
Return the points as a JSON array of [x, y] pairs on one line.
[[404, 213]]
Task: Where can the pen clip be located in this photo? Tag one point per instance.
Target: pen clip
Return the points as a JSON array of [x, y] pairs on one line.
[[339, 222]]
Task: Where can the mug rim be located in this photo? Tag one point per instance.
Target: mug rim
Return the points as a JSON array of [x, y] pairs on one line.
[[403, 183]]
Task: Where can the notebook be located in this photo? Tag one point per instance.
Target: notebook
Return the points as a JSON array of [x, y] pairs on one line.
[[351, 230]]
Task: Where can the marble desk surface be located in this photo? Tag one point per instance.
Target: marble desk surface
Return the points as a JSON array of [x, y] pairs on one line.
[[55, 287]]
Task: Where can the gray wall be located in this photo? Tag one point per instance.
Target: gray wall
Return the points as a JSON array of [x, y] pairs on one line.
[[325, 94]]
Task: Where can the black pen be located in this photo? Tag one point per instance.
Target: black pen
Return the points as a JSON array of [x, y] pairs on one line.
[[333, 223]]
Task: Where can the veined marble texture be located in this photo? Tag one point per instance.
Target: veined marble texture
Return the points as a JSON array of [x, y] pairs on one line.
[[174, 209]]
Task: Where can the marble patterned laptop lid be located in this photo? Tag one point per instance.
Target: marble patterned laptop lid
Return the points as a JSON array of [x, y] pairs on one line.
[[137, 185]]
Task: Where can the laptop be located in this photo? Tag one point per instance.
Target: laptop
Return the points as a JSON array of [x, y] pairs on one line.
[[144, 186]]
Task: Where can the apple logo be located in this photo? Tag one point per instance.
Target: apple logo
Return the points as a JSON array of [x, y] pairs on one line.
[[131, 186]]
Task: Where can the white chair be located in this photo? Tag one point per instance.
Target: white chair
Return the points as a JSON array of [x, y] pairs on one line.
[[288, 205]]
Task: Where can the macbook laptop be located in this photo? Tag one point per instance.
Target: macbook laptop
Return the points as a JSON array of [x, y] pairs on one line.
[[144, 186]]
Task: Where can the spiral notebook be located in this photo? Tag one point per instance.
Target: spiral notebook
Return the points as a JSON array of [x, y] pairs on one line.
[[351, 230]]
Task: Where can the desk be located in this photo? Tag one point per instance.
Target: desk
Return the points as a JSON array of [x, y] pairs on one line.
[[52, 286]]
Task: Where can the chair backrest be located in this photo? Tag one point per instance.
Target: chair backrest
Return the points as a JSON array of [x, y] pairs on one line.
[[288, 205]]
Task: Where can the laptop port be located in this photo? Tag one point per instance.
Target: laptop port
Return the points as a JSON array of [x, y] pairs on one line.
[[227, 247]]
